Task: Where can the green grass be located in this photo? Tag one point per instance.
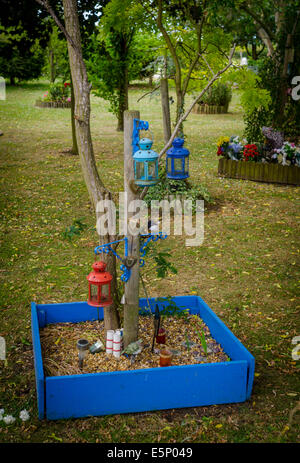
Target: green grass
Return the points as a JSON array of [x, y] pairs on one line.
[[247, 269]]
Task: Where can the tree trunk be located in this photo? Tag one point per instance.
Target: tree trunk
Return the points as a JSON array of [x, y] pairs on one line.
[[179, 109], [74, 140], [52, 67], [81, 87], [123, 84], [165, 104], [123, 100], [131, 306]]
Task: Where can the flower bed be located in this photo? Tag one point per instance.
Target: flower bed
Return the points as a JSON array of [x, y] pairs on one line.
[[275, 161], [215, 101], [58, 96], [259, 172]]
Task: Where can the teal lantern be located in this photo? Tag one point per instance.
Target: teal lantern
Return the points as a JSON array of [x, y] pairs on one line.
[[177, 161], [145, 164]]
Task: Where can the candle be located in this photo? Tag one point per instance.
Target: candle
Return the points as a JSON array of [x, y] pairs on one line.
[[117, 344], [109, 341], [161, 336]]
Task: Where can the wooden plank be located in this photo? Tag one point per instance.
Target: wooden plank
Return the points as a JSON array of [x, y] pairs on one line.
[[221, 166], [145, 390], [73, 312], [234, 165], [230, 343], [38, 361]]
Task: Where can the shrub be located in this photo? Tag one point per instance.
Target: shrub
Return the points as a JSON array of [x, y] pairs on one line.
[[58, 92], [177, 188], [218, 95]]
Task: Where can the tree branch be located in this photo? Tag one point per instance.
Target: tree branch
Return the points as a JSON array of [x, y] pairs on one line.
[[45, 4], [258, 20], [148, 93], [169, 43]]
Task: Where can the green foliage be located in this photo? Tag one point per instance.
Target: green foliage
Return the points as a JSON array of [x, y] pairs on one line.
[[73, 230], [59, 92], [255, 101], [117, 55], [254, 121], [219, 94], [253, 96], [170, 308], [22, 40], [167, 187], [20, 57], [57, 62], [163, 266]]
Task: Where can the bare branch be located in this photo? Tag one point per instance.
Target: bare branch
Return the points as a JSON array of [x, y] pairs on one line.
[[148, 93], [45, 4], [207, 64]]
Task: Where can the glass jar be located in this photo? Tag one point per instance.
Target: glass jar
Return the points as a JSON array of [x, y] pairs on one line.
[[165, 358]]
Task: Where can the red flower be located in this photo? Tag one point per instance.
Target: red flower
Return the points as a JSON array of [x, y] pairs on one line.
[[67, 84], [250, 151], [219, 152]]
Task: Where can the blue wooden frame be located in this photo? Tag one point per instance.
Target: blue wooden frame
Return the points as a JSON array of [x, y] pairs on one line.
[[150, 389]]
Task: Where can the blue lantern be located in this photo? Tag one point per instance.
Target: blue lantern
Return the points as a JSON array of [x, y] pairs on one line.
[[145, 164], [177, 161]]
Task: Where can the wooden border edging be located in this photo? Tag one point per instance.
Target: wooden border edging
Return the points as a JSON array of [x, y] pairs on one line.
[[259, 172], [53, 104]]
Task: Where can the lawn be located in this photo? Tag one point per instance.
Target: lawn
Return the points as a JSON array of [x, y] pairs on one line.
[[247, 269]]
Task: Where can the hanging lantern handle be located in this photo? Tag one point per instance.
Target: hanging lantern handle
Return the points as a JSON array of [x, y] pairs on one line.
[[137, 126]]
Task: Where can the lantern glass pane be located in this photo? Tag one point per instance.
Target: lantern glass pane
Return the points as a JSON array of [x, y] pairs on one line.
[[178, 165], [169, 165], [104, 292], [94, 293], [140, 170], [187, 165], [151, 170]]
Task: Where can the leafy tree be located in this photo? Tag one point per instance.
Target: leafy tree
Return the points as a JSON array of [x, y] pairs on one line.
[[275, 25], [184, 24], [112, 59], [22, 40], [20, 58], [57, 63]]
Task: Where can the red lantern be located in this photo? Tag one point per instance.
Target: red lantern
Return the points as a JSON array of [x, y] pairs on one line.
[[99, 286]]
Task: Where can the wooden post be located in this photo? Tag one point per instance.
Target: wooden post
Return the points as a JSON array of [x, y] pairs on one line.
[[131, 306]]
